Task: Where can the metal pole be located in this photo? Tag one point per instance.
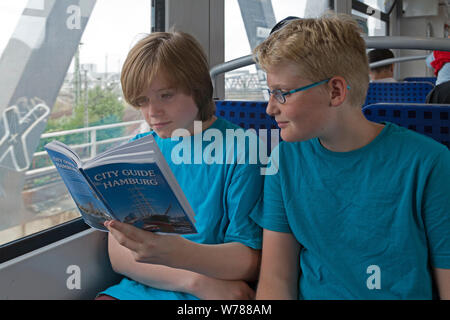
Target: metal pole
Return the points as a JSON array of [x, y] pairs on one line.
[[86, 111]]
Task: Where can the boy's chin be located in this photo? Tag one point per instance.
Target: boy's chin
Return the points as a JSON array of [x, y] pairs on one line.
[[289, 137], [163, 134], [293, 137]]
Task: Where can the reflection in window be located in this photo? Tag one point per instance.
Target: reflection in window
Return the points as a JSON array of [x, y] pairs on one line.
[[10, 12], [59, 83]]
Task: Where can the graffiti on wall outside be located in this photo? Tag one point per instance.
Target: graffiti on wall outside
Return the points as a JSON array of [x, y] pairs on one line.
[[20, 127]]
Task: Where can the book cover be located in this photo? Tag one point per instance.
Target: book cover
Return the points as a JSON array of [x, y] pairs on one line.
[[131, 183], [138, 193]]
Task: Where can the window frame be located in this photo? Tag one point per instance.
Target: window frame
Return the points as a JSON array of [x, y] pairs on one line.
[[27, 244]]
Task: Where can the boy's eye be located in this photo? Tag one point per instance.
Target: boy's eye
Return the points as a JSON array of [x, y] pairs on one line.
[[166, 95], [141, 101]]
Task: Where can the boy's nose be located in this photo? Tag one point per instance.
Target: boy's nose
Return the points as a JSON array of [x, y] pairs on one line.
[[152, 109], [272, 107]]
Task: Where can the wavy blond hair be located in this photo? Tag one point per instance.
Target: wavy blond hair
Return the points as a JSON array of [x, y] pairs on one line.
[[181, 58], [321, 48]]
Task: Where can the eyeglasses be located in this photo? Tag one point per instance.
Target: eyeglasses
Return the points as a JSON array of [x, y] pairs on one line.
[[281, 96]]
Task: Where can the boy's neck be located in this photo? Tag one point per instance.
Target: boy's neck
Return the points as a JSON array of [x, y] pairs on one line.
[[204, 125], [351, 132]]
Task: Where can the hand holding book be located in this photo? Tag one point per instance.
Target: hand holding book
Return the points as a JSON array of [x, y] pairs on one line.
[[149, 247]]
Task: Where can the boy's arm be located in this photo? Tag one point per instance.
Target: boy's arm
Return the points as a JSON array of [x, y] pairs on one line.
[[228, 261], [235, 259], [172, 279], [442, 278], [157, 276], [279, 267]]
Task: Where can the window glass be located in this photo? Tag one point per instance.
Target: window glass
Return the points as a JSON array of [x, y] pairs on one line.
[[371, 25], [382, 5], [247, 23], [61, 83]]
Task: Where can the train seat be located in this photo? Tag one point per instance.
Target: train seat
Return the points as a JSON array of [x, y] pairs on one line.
[[429, 119], [397, 92], [246, 114]]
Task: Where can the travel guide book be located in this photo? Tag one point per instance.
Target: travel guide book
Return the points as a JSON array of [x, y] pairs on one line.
[[131, 183]]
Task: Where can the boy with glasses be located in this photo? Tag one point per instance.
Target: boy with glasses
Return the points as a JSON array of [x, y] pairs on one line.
[[358, 210]]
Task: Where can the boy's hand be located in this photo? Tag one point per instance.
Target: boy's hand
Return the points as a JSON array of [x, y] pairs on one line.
[[146, 246]]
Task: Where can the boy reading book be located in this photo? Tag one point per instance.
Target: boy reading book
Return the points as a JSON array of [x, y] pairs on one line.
[[166, 77], [358, 210]]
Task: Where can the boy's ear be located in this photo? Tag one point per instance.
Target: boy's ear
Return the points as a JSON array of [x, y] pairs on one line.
[[338, 90]]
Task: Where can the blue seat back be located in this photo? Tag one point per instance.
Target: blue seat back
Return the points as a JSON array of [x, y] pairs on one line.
[[398, 92], [248, 115], [421, 79], [429, 119]]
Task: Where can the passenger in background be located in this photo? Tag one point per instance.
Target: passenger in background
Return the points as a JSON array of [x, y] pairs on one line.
[[440, 62], [358, 210], [383, 73], [166, 77]]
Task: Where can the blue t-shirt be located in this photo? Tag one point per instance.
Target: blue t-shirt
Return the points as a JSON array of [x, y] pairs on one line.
[[371, 222], [222, 195]]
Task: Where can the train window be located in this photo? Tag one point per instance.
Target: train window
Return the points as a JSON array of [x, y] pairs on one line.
[[384, 6], [247, 23], [76, 51], [372, 26], [373, 16]]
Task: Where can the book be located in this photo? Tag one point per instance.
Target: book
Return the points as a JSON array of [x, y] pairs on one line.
[[131, 183]]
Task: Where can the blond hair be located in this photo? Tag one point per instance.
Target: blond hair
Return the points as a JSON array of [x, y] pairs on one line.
[[180, 57], [321, 48]]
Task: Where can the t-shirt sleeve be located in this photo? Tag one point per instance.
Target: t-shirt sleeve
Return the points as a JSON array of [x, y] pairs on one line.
[[437, 211], [271, 213], [242, 197]]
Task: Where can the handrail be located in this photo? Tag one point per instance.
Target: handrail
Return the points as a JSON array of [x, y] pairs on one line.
[[402, 42], [395, 60], [379, 42], [92, 144], [94, 128], [231, 65]]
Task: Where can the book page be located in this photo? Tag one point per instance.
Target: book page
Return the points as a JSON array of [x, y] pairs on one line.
[[64, 149], [136, 146]]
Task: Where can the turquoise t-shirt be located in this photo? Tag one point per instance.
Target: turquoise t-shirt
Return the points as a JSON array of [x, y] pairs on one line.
[[371, 222], [222, 195]]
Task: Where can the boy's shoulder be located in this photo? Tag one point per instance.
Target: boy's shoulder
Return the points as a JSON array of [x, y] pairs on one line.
[[223, 124], [141, 135], [393, 139], [413, 142]]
